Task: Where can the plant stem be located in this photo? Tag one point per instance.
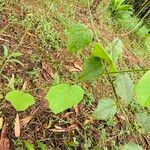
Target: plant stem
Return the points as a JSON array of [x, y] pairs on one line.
[[108, 74], [127, 71], [92, 22], [3, 66]]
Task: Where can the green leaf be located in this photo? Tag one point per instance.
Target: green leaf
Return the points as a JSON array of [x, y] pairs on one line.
[[15, 61], [105, 110], [6, 51], [143, 121], [131, 146], [41, 145], [64, 96], [78, 37], [124, 87], [15, 54], [142, 90], [100, 52], [125, 8], [92, 69], [20, 100], [117, 48], [28, 145], [11, 83]]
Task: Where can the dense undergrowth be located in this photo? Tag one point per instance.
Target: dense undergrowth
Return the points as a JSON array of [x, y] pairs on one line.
[[72, 77]]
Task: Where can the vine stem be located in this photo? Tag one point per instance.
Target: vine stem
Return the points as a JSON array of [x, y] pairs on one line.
[[128, 71], [92, 22], [108, 73]]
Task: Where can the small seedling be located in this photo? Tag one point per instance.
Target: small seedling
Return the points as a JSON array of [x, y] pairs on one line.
[[10, 58], [20, 100]]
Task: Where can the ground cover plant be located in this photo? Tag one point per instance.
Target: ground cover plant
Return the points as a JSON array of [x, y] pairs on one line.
[[73, 75]]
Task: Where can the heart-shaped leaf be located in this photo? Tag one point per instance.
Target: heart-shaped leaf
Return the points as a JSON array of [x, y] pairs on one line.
[[124, 87], [142, 90], [106, 109], [20, 100], [64, 96]]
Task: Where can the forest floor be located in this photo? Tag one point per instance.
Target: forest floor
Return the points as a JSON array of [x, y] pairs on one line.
[[31, 27]]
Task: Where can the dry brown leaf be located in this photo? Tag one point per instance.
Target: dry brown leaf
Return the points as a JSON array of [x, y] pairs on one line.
[[76, 64], [24, 85], [72, 127], [48, 69], [59, 131], [17, 126], [58, 127], [4, 141], [88, 121], [67, 115], [76, 108], [26, 120], [4, 144], [121, 118], [1, 122], [49, 124], [71, 69]]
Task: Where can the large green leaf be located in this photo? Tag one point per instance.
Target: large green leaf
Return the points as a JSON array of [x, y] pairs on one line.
[[131, 146], [78, 37], [106, 109], [142, 90], [116, 48], [20, 100], [64, 96], [124, 87], [92, 69], [100, 52], [143, 121]]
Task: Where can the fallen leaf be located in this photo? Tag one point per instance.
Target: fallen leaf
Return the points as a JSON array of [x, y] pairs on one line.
[[49, 124], [76, 108], [24, 85], [4, 141], [48, 69], [121, 118], [72, 127], [4, 144], [71, 68], [67, 115], [89, 120], [17, 126], [76, 64], [59, 131], [26, 120], [1, 122], [58, 127]]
